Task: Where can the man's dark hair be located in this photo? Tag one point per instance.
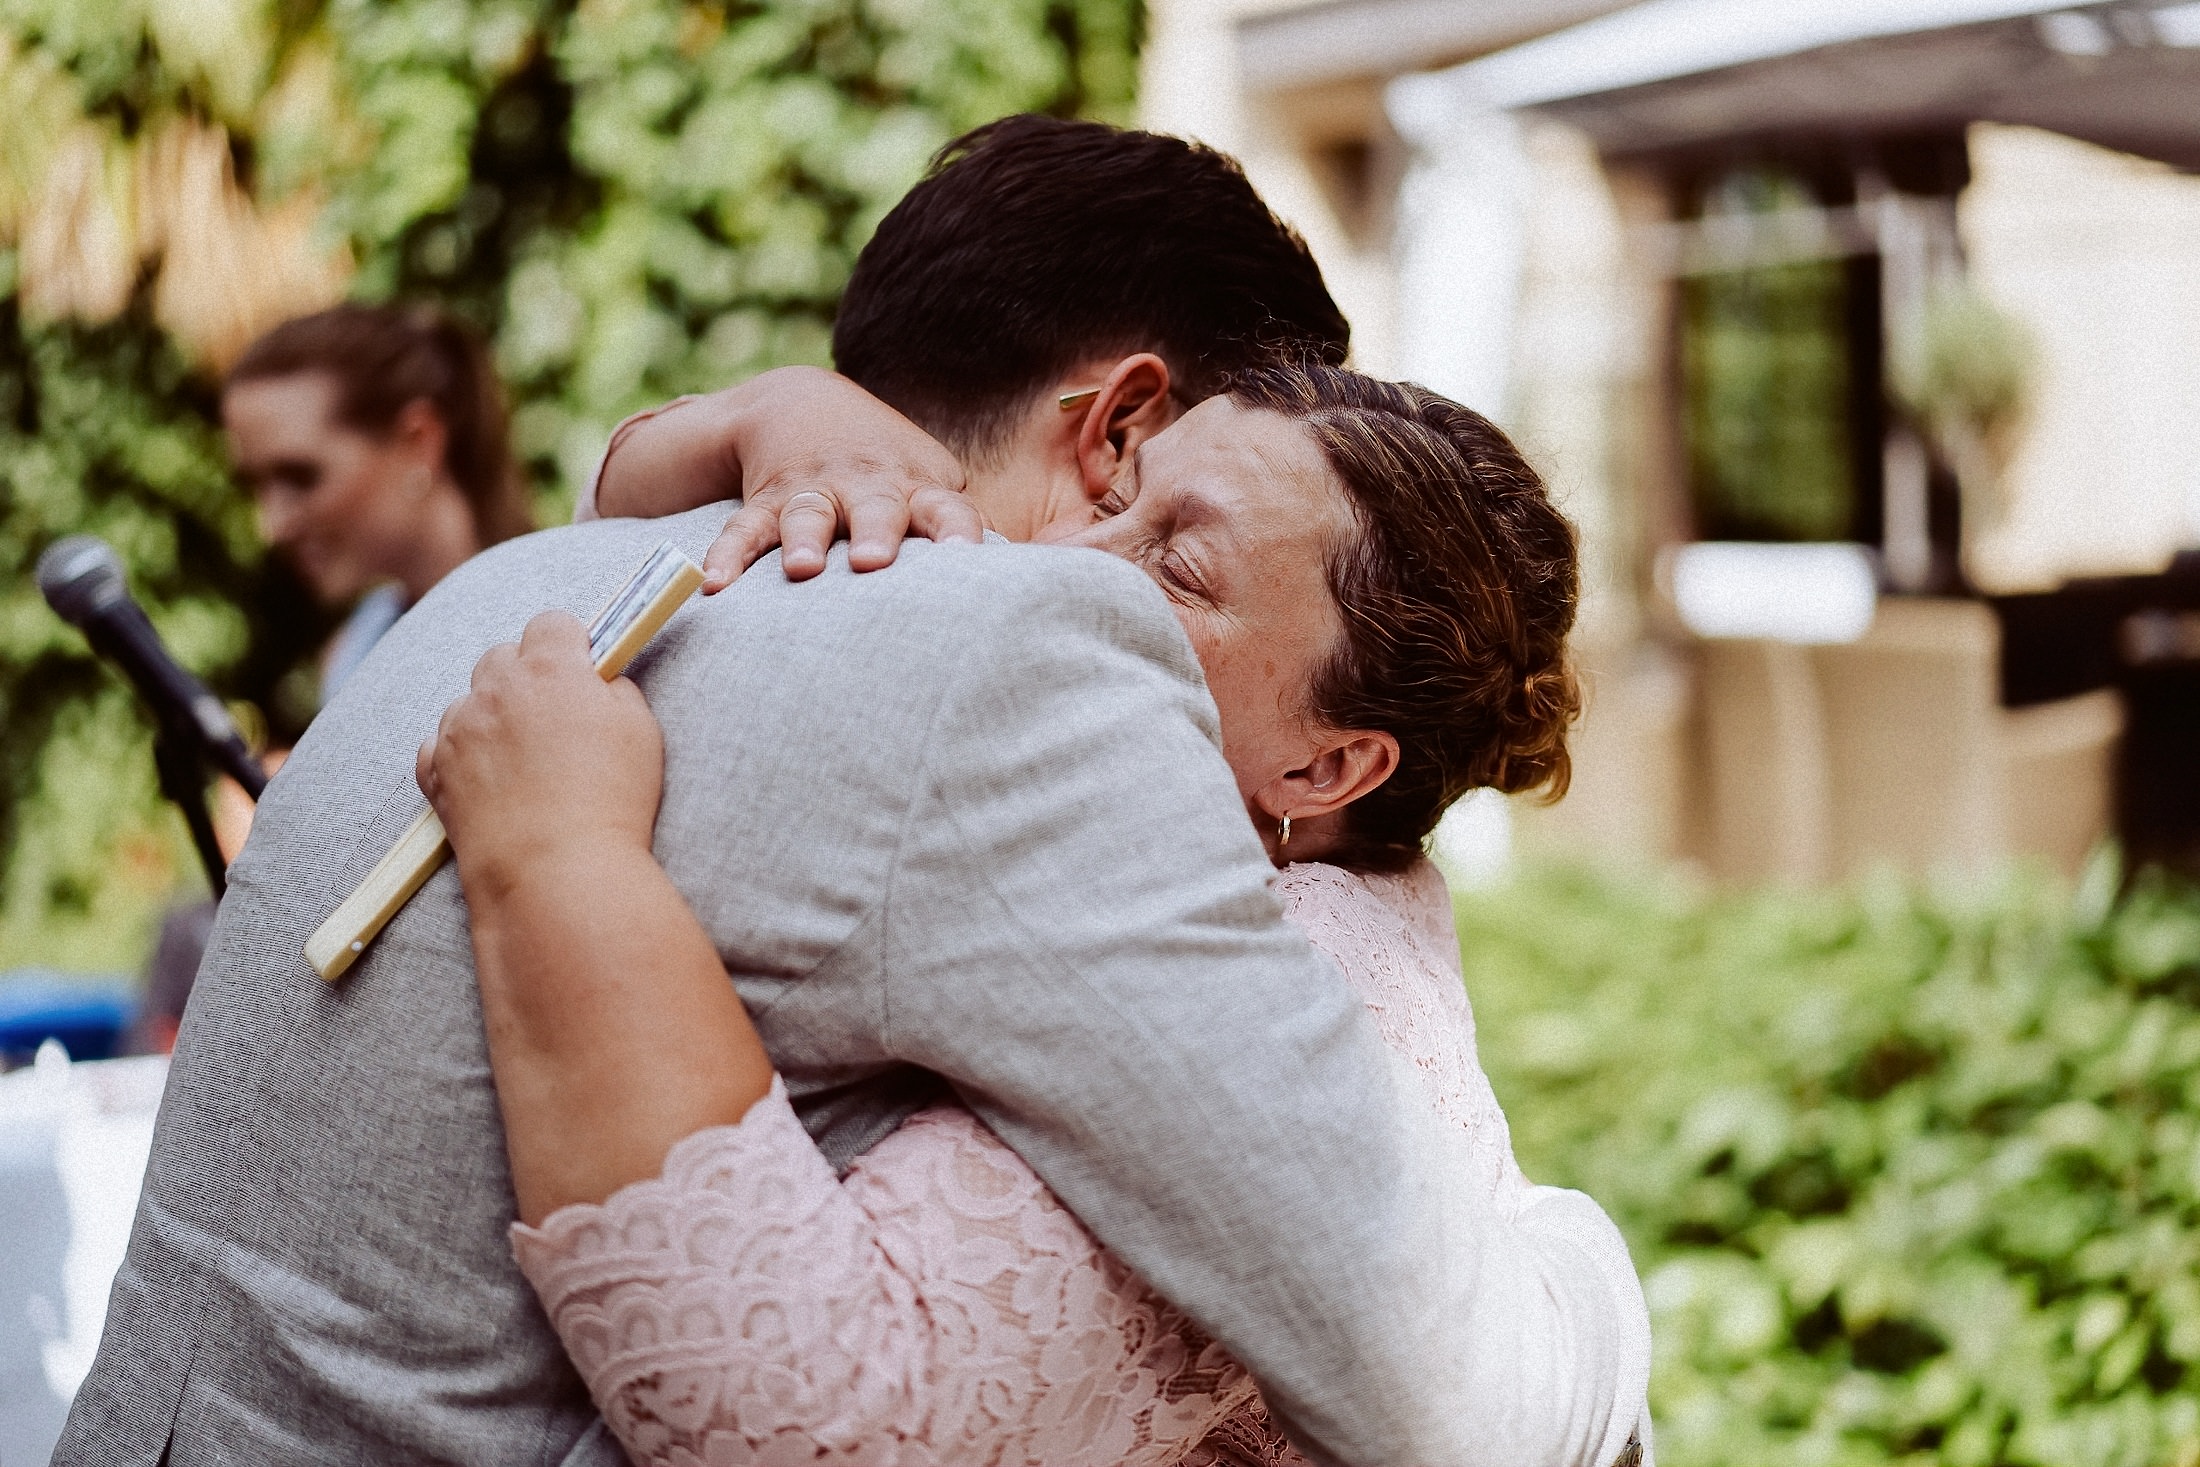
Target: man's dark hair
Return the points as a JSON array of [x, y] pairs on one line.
[[1034, 243]]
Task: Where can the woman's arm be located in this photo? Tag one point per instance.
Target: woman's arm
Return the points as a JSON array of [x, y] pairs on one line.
[[782, 435], [941, 1298], [613, 1031], [938, 1306]]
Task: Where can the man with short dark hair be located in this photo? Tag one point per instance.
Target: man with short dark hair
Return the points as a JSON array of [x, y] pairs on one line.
[[1049, 296], [1035, 246]]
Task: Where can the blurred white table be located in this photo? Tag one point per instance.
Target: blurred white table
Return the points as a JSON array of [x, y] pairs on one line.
[[73, 1143]]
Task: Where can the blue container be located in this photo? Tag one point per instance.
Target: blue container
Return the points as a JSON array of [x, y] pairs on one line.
[[89, 1016]]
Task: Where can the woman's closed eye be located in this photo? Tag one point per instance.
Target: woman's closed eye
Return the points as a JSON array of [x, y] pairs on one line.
[[1165, 555], [1178, 574]]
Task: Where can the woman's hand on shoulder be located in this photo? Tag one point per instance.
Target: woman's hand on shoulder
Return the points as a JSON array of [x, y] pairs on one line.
[[821, 458], [812, 457], [543, 761]]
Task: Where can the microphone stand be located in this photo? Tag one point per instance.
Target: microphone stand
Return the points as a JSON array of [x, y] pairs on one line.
[[180, 762], [193, 736]]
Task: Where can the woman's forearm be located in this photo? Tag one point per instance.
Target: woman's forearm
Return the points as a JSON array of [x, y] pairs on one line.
[[894, 1332], [613, 1029], [680, 457], [787, 437]]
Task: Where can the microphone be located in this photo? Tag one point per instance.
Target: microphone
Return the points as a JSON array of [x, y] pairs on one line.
[[82, 582]]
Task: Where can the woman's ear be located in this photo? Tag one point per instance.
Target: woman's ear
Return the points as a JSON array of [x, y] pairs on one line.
[[1348, 766], [1132, 405], [418, 431]]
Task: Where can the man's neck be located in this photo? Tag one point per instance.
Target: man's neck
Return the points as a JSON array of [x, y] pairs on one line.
[[1023, 500], [1031, 483]]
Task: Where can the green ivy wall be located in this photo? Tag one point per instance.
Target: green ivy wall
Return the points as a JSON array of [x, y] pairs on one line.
[[634, 198]]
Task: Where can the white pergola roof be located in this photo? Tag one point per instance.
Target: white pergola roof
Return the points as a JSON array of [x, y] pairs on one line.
[[1667, 74], [1332, 40], [1660, 40]]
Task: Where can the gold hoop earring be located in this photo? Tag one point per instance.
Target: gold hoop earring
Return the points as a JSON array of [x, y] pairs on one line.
[[1283, 838]]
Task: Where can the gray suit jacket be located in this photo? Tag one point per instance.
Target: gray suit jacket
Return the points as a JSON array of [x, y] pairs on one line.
[[969, 815]]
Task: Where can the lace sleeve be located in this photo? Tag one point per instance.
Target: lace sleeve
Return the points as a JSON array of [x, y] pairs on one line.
[[937, 1306]]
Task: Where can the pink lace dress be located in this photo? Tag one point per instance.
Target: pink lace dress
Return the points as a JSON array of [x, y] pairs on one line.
[[939, 1306]]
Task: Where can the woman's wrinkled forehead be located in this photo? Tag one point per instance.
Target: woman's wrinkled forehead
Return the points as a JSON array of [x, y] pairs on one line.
[[1259, 471]]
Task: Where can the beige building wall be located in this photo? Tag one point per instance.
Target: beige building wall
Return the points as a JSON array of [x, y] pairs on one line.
[[2098, 253], [1189, 85], [1581, 345]]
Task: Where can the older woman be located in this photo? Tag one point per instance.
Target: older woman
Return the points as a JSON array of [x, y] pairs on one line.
[[1379, 592]]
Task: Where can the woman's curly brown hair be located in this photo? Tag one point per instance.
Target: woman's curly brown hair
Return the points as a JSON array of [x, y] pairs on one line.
[[1457, 595]]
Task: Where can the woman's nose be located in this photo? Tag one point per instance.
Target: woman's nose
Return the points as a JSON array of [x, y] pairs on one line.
[[1110, 534]]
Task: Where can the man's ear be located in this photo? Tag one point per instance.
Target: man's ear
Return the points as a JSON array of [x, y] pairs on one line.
[[1133, 404], [1348, 766]]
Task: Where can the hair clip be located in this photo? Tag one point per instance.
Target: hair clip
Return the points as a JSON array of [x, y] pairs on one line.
[[1077, 399]]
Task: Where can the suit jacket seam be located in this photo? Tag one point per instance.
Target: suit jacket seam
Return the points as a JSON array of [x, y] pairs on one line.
[[922, 792]]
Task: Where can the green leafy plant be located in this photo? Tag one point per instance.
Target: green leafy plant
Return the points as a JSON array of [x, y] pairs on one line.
[[1910, 1177], [1963, 371], [633, 198]]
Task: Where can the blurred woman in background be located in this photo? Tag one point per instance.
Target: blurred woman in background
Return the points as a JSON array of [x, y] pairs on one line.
[[375, 444], [374, 440]]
